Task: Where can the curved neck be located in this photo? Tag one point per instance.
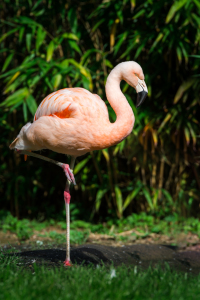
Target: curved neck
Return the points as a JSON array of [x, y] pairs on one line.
[[124, 123]]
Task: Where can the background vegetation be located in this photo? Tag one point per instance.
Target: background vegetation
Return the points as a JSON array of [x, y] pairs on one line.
[[47, 45]]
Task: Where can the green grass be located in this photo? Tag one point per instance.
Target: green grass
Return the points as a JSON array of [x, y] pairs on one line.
[[85, 283], [76, 237]]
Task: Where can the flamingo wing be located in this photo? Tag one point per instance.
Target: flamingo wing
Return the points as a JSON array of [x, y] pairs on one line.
[[71, 103]]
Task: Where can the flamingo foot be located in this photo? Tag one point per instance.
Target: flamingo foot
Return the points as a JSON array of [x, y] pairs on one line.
[[68, 173], [67, 263]]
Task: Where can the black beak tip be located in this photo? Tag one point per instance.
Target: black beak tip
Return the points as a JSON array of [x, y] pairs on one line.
[[141, 96]]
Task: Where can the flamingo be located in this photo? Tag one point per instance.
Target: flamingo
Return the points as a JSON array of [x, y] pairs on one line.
[[74, 121]]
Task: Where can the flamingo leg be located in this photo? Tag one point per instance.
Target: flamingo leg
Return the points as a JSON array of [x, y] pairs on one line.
[[67, 198], [70, 179], [66, 168]]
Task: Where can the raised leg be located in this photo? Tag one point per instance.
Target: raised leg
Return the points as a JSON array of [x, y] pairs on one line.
[[69, 174], [67, 198]]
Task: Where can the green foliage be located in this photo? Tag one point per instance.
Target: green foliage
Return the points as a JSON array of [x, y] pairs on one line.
[[48, 45], [80, 230], [76, 237], [20, 227], [172, 224]]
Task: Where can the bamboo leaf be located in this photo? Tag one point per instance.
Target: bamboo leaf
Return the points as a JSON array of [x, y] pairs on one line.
[[167, 33], [197, 19], [128, 50], [133, 4], [159, 37], [5, 35], [7, 62], [28, 41], [70, 36], [197, 3], [106, 155], [155, 198], [120, 42], [49, 84], [36, 4], [50, 50], [168, 196], [97, 25], [179, 54], [28, 21], [74, 46], [184, 53], [39, 13], [155, 137], [148, 197], [64, 64], [15, 97], [21, 33], [113, 32], [87, 55], [56, 80], [25, 111], [81, 164], [139, 49], [40, 37], [131, 196], [187, 135], [35, 80], [83, 71], [174, 8], [183, 87], [72, 18], [12, 87], [13, 78], [166, 119], [13, 107], [140, 13], [118, 199], [108, 63], [99, 196], [193, 134], [31, 103], [175, 113]]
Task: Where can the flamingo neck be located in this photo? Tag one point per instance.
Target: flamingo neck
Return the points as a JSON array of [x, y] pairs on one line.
[[124, 123]]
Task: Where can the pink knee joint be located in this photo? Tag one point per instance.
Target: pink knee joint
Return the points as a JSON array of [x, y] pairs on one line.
[[67, 197]]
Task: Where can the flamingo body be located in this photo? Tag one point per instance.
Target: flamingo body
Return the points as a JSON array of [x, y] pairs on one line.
[[70, 121], [74, 121]]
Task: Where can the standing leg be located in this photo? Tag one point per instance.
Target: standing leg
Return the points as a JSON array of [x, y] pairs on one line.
[[70, 179], [67, 198]]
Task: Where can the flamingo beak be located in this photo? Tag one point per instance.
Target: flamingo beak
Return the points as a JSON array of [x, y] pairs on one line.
[[142, 92], [12, 145], [141, 96]]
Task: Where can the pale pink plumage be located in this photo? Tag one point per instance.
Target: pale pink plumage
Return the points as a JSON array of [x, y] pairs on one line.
[[66, 121], [74, 121]]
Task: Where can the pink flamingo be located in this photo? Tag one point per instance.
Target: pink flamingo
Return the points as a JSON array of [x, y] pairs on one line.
[[74, 121]]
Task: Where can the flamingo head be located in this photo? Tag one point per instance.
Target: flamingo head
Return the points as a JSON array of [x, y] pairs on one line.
[[21, 142], [132, 73]]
